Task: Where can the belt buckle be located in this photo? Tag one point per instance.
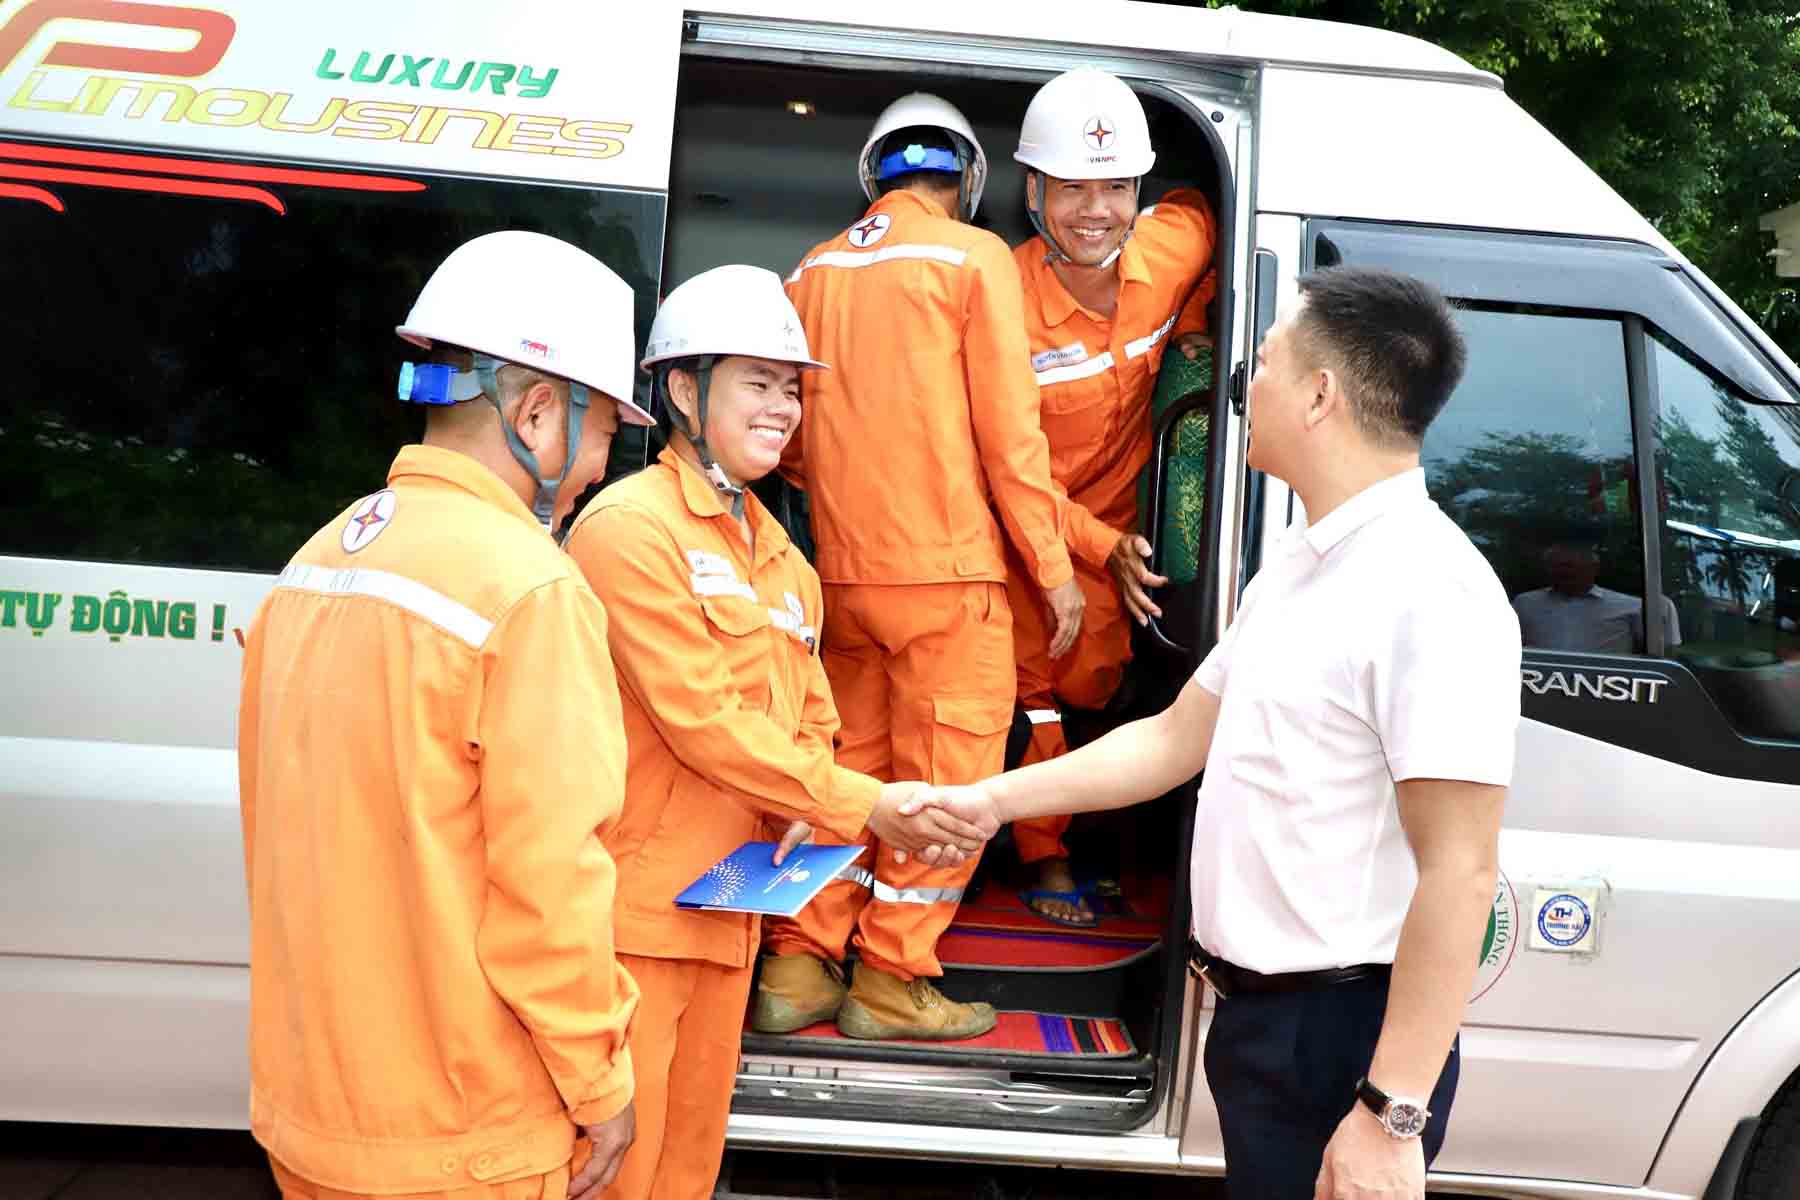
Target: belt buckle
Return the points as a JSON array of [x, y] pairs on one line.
[[1203, 972]]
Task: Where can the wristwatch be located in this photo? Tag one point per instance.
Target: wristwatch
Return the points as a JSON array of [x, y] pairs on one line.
[[1401, 1116]]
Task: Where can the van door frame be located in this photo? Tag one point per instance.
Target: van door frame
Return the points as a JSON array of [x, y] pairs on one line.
[[1198, 90]]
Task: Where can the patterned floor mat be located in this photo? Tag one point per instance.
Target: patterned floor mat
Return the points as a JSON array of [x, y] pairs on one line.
[[998, 931], [1021, 1033]]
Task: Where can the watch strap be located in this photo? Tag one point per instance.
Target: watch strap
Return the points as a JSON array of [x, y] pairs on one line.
[[1372, 1097]]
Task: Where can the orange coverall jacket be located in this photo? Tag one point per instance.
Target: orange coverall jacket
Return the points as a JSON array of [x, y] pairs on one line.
[[929, 413], [728, 716], [1095, 377], [429, 750]]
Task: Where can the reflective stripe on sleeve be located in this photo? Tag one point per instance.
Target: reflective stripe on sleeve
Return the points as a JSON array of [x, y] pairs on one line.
[[1139, 347], [1043, 716], [453, 618]]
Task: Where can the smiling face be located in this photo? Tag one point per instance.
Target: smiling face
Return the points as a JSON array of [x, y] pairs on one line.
[[1087, 218], [752, 410]]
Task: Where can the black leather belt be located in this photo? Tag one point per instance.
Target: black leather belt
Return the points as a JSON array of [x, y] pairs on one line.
[[1228, 979]]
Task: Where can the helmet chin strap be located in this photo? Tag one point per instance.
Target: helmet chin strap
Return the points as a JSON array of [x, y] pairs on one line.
[[487, 370], [965, 191], [715, 474], [1056, 252]]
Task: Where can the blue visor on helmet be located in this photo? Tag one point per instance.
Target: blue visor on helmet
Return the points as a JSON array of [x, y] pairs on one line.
[[437, 383], [918, 158]]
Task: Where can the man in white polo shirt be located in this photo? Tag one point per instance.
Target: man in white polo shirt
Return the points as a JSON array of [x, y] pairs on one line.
[[1357, 727]]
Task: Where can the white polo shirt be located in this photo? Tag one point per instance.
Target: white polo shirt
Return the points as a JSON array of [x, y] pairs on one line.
[[1376, 646], [1600, 621]]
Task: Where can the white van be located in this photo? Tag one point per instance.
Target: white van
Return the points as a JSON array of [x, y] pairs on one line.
[[212, 217]]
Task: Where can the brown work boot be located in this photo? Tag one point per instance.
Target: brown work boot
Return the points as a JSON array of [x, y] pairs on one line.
[[881, 1006], [796, 990]]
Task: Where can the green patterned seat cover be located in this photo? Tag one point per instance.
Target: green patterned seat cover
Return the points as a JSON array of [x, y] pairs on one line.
[[1184, 499]]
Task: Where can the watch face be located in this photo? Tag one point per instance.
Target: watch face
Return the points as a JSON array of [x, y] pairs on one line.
[[1405, 1119]]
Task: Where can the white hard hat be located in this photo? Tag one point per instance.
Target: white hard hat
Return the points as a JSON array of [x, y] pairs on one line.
[[922, 108], [1086, 124], [536, 301], [728, 310]]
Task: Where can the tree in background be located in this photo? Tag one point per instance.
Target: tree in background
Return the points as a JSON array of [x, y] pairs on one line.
[[1690, 108]]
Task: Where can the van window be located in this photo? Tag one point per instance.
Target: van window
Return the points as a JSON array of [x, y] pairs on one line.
[[1533, 457], [204, 373], [1730, 538]]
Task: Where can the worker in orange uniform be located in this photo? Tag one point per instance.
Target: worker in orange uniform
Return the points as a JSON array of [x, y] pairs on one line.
[[1107, 287], [713, 619], [429, 750], [926, 425]]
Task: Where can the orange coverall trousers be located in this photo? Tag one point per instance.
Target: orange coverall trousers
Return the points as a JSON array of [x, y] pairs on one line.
[[689, 1021], [924, 678], [1085, 677]]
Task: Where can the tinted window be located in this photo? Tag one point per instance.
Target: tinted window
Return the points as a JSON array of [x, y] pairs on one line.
[[1533, 458], [1731, 540], [205, 379]]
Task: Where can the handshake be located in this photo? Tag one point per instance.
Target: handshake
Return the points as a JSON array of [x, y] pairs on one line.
[[942, 826]]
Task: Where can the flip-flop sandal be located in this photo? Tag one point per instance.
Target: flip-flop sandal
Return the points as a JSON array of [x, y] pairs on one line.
[[1074, 896]]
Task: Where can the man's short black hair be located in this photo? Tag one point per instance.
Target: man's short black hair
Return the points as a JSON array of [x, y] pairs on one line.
[[1394, 340], [927, 137]]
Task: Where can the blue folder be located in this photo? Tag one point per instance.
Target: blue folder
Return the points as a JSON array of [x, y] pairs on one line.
[[746, 880]]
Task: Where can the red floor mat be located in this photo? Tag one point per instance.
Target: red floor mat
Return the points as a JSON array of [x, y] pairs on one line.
[[1022, 950], [997, 931], [1019, 1033]]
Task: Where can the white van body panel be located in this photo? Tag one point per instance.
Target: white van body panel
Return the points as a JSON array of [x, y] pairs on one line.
[[1156, 29], [1490, 165], [158, 1043], [1740, 1077], [129, 843]]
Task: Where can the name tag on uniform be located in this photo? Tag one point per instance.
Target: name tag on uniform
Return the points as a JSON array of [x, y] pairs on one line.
[[1045, 360], [703, 562]]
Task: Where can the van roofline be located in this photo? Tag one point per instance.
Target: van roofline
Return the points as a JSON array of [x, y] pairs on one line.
[[1225, 35]]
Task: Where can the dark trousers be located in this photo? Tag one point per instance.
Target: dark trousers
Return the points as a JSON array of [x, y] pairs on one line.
[[1283, 1069]]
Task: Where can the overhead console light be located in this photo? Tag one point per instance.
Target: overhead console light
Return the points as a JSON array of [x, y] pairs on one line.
[[802, 108]]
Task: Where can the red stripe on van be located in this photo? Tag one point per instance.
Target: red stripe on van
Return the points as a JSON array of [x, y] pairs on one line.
[[19, 191], [208, 170], [145, 183]]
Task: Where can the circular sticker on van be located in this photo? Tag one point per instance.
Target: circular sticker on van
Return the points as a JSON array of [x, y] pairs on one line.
[[1564, 920], [1500, 940], [372, 516]]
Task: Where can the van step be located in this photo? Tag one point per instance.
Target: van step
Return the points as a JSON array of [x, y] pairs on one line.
[[1038, 1035], [1095, 1094]]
